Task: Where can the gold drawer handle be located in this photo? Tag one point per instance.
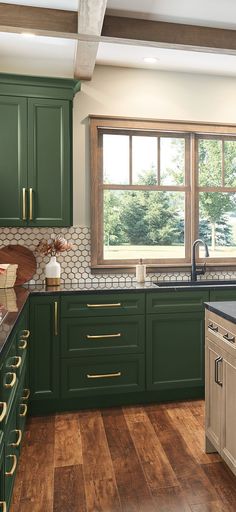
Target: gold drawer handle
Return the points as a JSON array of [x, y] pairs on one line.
[[25, 333], [103, 375], [23, 344], [30, 204], [99, 336], [4, 410], [17, 443], [18, 363], [3, 504], [25, 408], [13, 381], [56, 318], [115, 305], [12, 471], [27, 394]]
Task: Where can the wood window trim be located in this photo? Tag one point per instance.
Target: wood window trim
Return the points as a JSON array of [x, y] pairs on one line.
[[150, 127]]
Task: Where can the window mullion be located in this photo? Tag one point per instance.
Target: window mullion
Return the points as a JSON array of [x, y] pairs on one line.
[[223, 163], [130, 159], [158, 160]]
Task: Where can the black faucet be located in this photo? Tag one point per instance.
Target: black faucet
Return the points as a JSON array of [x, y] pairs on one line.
[[198, 271]]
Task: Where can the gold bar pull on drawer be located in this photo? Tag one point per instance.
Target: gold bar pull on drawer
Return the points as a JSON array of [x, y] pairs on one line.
[[12, 471], [4, 410], [99, 336], [13, 381], [23, 203], [115, 305], [56, 318], [103, 375], [3, 504]]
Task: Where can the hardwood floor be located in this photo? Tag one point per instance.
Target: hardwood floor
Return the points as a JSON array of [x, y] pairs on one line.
[[130, 459]]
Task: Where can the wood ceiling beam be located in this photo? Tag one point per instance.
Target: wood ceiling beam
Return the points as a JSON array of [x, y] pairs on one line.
[[37, 18], [90, 21], [168, 35]]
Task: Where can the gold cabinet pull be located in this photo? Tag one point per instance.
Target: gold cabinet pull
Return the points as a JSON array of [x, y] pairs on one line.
[[25, 408], [23, 344], [17, 443], [26, 394], [3, 504], [30, 204], [103, 375], [99, 336], [24, 203], [56, 318], [4, 410], [12, 471], [115, 305], [13, 380], [25, 334], [18, 361]]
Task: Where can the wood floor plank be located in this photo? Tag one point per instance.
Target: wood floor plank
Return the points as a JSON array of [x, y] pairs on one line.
[[152, 456], [68, 449], [133, 490], [224, 481], [69, 491], [214, 506], [99, 478], [190, 475], [193, 433], [41, 429]]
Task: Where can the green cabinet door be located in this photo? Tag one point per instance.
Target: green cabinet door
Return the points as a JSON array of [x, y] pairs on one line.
[[49, 162], [13, 161], [44, 347], [175, 351]]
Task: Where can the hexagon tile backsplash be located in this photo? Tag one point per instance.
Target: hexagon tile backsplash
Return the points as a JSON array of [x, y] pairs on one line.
[[75, 264]]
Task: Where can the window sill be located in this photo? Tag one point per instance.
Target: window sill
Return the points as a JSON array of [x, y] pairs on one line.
[[160, 268]]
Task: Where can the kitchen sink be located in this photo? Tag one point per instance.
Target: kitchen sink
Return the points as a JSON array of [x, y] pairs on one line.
[[203, 282]]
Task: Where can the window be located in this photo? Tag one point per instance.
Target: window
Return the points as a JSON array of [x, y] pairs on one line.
[[157, 186]]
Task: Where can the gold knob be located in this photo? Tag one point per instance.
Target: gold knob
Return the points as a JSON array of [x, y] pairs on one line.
[[4, 410], [4, 506], [25, 333], [25, 408], [26, 395], [13, 381], [12, 471], [23, 344], [18, 362], [17, 443]]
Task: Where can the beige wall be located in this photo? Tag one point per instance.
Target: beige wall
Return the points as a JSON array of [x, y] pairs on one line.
[[140, 93]]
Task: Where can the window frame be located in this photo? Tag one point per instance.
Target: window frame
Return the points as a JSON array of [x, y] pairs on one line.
[[192, 132]]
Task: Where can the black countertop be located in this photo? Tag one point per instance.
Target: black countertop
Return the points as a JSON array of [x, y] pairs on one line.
[[226, 309], [19, 295]]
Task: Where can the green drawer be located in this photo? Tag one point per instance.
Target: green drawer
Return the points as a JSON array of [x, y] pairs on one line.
[[2, 474], [90, 336], [102, 375], [22, 405], [176, 301], [9, 376], [91, 305]]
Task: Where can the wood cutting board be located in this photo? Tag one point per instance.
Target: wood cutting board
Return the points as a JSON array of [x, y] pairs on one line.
[[23, 257]]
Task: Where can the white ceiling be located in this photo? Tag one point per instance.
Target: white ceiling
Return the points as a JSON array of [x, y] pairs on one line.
[[55, 57]]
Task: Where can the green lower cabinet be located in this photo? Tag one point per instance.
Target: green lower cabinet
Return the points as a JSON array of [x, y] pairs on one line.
[[2, 477], [11, 456], [93, 376], [44, 347], [218, 295], [175, 351]]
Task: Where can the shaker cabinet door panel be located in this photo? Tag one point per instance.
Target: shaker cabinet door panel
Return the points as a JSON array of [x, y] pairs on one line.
[[49, 156], [13, 161]]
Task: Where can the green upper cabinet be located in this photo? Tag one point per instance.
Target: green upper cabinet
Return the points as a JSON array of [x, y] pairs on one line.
[[49, 158], [36, 151], [13, 161]]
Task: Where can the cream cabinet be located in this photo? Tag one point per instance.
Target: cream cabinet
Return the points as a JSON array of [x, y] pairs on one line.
[[221, 388]]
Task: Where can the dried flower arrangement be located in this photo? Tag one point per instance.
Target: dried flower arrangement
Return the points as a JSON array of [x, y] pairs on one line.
[[53, 247]]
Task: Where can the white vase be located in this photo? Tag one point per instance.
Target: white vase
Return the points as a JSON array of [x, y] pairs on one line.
[[52, 272]]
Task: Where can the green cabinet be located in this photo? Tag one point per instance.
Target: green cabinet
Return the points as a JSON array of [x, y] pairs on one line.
[[13, 162], [44, 349], [175, 343], [36, 152], [222, 295], [2, 477]]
